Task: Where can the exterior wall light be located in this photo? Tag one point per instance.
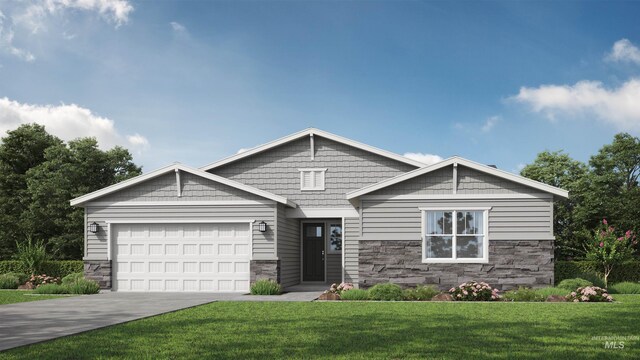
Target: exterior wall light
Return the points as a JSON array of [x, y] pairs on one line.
[[93, 227], [262, 226]]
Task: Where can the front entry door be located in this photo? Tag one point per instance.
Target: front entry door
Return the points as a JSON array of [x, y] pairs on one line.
[[313, 252]]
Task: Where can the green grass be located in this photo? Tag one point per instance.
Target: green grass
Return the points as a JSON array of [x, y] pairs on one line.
[[362, 330], [16, 296]]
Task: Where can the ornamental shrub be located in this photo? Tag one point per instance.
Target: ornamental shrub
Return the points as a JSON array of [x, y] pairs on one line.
[[265, 287], [31, 255], [589, 294], [523, 294], [474, 291], [38, 280], [421, 293], [72, 278], [593, 278], [386, 292], [22, 277], [83, 287], [627, 271], [626, 287], [354, 294], [338, 289], [546, 292], [51, 289], [8, 281], [609, 250], [572, 284], [58, 268]]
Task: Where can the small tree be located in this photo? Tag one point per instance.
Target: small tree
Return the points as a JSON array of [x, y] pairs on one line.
[[609, 250]]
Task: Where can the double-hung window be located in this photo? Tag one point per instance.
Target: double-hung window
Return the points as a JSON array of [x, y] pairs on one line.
[[455, 236]]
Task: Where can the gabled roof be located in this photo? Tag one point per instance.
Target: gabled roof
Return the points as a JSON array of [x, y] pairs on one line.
[[310, 132], [468, 163], [172, 168]]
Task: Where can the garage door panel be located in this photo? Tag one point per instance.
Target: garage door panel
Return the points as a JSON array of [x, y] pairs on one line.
[[182, 257]]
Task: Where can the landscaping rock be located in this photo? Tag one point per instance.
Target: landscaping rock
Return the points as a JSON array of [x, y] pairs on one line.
[[442, 297], [556, 298], [329, 296], [27, 286]]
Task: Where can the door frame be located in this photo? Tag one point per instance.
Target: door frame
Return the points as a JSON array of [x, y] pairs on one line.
[[324, 241]]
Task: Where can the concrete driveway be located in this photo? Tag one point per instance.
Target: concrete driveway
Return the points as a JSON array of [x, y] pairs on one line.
[[31, 322]]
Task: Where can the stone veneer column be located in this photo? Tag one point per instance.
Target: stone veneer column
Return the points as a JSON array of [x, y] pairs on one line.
[[100, 271], [265, 269], [512, 263]]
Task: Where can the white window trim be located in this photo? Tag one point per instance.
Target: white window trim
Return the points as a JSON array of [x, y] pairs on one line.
[[485, 244], [313, 178]]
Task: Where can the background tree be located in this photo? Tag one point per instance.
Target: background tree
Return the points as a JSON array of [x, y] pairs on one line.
[[63, 172], [21, 150], [614, 192], [606, 188], [560, 170]]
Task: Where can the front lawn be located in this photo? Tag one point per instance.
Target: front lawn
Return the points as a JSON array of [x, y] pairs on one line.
[[240, 330], [16, 296]]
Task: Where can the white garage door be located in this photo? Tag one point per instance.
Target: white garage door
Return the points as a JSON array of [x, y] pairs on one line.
[[181, 257]]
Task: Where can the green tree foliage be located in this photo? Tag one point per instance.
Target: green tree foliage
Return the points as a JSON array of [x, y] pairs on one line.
[[605, 188], [560, 170], [57, 173]]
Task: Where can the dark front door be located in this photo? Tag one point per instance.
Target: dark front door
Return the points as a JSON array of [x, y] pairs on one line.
[[313, 252]]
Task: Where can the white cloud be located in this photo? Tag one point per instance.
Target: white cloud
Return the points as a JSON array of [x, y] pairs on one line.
[[6, 42], [241, 150], [426, 159], [619, 106], [32, 16], [624, 51], [67, 122], [177, 27], [490, 123]]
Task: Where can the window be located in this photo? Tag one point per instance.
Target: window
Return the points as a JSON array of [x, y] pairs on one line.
[[312, 179], [335, 239], [455, 235]]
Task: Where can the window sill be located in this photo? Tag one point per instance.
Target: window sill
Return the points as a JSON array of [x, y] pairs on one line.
[[311, 189], [455, 261]]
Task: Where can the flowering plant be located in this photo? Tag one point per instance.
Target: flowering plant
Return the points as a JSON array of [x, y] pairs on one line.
[[37, 280], [609, 249], [589, 294], [337, 289], [474, 291]]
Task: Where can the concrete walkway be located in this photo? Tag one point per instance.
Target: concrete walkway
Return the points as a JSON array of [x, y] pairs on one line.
[[31, 322]]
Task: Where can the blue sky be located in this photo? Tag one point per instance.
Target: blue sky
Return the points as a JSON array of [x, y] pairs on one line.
[[495, 82]]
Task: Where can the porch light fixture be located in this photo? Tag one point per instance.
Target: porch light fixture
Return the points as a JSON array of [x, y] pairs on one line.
[[262, 226], [93, 227]]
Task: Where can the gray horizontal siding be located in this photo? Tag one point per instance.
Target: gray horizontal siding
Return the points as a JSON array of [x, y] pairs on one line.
[[509, 219], [348, 168], [194, 188], [288, 248], [351, 237], [263, 243]]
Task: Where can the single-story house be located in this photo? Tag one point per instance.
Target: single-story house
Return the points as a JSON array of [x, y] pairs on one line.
[[314, 207]]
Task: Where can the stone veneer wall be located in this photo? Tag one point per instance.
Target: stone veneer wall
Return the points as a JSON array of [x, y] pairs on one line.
[[511, 264], [100, 271], [264, 269]]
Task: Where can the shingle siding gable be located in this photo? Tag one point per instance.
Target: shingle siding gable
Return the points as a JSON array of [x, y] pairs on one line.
[[194, 188], [348, 168]]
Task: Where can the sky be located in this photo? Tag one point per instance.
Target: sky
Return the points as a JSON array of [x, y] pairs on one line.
[[196, 81]]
